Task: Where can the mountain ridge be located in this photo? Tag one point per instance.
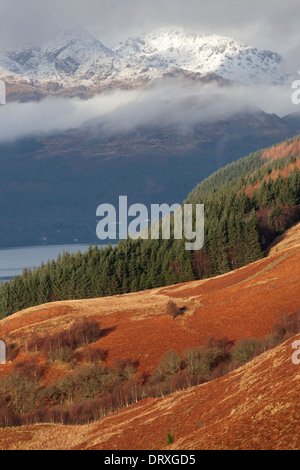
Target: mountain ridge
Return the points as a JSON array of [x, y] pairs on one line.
[[71, 171], [77, 59], [199, 53]]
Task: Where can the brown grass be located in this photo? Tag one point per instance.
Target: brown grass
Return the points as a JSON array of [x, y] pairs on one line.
[[254, 407], [243, 303]]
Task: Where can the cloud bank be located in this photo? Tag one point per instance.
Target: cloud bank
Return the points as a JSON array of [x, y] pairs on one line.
[[123, 111]]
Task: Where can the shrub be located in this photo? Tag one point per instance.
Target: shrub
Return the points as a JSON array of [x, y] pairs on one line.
[[246, 349], [224, 345], [221, 370], [20, 392], [60, 353], [90, 354], [169, 365], [286, 327], [193, 360], [170, 438], [12, 351], [86, 382], [172, 309], [183, 380], [93, 391], [35, 343], [202, 360], [84, 333], [60, 345], [7, 417], [30, 369], [127, 368]]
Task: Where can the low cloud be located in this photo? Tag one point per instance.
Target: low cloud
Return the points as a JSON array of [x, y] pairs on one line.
[[123, 111], [55, 114]]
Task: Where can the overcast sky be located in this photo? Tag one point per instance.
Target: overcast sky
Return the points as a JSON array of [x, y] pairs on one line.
[[270, 24]]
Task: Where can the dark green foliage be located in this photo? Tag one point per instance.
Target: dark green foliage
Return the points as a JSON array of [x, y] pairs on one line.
[[170, 438], [238, 230]]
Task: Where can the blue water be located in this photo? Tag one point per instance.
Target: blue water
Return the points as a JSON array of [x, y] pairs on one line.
[[14, 260]]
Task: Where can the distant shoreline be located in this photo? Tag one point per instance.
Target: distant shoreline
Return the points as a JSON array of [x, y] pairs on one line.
[[14, 260]]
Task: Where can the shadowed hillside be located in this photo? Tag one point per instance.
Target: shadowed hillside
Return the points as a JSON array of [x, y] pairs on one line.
[[53, 184]]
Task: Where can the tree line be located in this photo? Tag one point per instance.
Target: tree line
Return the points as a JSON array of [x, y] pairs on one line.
[[238, 230]]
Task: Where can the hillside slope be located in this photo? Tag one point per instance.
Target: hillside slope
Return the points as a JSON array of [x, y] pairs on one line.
[[54, 184], [254, 407], [242, 303]]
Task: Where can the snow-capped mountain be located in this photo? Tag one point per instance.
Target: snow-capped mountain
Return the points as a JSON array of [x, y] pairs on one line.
[[76, 60], [166, 49], [72, 56]]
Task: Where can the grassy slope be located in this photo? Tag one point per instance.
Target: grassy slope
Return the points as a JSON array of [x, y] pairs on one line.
[[242, 303], [254, 407]]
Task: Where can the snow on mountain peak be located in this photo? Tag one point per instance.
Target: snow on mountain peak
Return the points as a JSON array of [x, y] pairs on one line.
[[76, 41], [71, 54], [169, 48], [76, 58]]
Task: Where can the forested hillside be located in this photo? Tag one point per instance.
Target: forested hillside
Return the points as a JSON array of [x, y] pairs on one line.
[[51, 185], [247, 204]]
